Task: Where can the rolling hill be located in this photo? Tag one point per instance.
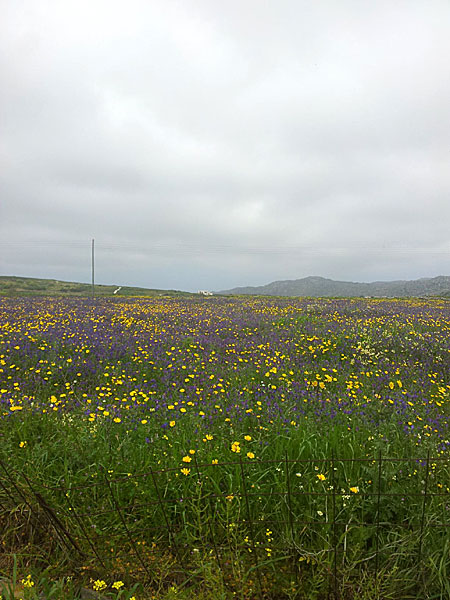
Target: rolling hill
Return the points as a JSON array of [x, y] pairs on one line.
[[29, 286], [322, 287]]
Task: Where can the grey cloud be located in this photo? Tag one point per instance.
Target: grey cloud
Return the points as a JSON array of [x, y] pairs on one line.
[[211, 145]]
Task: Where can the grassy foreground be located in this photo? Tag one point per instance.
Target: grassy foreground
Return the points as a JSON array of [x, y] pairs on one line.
[[225, 448]]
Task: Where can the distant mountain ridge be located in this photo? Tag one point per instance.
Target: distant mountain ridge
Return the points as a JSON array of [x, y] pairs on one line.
[[322, 287]]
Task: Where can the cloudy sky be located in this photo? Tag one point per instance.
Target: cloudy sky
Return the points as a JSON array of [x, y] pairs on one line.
[[208, 144]]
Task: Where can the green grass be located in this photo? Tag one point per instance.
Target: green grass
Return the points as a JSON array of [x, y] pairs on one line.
[[12, 286], [64, 452]]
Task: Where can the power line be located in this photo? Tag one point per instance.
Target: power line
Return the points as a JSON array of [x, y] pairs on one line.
[[196, 248]]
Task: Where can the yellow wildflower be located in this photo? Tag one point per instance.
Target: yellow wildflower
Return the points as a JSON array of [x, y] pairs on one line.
[[27, 582], [99, 585], [117, 585], [235, 447]]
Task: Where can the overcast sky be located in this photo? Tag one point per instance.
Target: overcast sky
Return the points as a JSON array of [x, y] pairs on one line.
[[208, 144]]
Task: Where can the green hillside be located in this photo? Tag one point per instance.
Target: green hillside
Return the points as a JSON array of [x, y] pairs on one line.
[[30, 286]]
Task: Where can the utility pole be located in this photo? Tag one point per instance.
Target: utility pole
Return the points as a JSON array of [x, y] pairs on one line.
[[92, 264]]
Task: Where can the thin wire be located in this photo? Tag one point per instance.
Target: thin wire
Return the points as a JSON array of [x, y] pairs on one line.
[[196, 248]]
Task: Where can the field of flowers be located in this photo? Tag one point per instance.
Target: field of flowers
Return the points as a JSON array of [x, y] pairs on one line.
[[230, 404]]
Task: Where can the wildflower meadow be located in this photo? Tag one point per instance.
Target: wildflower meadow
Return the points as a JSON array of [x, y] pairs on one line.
[[225, 447]]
